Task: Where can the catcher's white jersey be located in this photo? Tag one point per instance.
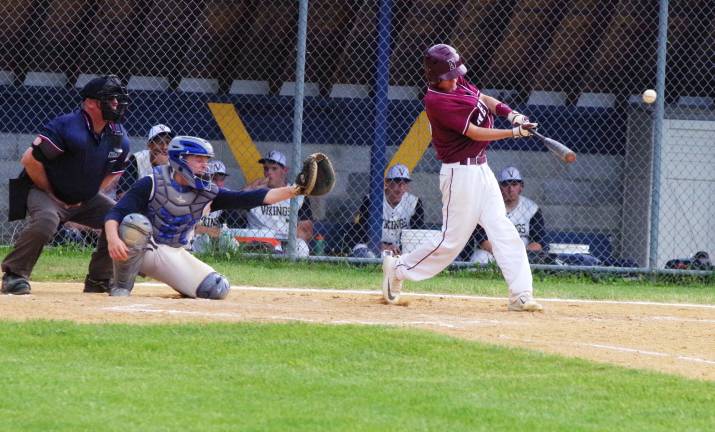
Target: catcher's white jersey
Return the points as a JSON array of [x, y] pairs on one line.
[[521, 216], [395, 219], [273, 217]]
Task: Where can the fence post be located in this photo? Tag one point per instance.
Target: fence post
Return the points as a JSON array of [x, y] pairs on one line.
[[379, 144], [658, 115], [296, 162]]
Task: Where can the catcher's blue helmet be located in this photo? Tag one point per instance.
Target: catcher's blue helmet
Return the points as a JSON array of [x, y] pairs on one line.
[[179, 148]]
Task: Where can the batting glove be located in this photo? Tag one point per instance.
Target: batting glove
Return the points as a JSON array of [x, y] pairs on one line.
[[517, 118], [524, 130]]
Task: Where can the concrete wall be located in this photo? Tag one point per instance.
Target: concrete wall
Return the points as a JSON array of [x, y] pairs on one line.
[[687, 199]]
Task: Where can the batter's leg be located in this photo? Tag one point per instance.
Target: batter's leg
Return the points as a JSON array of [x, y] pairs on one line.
[[460, 211], [508, 249]]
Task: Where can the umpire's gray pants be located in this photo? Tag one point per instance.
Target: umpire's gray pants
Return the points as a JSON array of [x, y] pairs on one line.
[[45, 215]]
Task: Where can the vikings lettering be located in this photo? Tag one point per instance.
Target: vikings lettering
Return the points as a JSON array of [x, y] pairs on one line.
[[275, 211], [395, 224]]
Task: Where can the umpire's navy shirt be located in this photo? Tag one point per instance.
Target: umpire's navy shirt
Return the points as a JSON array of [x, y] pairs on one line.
[[76, 159]]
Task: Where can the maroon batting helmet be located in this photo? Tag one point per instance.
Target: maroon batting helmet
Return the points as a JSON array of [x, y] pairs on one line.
[[442, 62]]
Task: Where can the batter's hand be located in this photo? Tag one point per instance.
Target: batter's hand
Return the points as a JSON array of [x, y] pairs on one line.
[[524, 130], [517, 118], [117, 249]]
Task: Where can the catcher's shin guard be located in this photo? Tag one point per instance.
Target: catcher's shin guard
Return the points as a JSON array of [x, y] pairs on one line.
[[135, 230], [214, 286]]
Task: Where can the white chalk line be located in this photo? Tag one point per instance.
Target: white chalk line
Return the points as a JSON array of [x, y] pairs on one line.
[[619, 349], [679, 319], [460, 324], [146, 308], [450, 296], [402, 323]]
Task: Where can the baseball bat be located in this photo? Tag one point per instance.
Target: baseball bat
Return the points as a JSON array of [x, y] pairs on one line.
[[561, 151]]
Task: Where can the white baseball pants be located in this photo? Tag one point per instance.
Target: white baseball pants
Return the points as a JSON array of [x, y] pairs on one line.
[[470, 196]]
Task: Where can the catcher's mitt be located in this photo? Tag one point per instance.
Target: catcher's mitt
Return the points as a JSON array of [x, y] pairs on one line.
[[317, 176]]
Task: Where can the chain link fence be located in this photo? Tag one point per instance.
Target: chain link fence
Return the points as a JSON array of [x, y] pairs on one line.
[[640, 194]]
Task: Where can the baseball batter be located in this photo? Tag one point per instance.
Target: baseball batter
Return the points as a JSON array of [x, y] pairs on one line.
[[461, 119], [149, 227]]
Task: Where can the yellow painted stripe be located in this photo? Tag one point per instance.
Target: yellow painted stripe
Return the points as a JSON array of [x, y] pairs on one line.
[[414, 145], [239, 141]]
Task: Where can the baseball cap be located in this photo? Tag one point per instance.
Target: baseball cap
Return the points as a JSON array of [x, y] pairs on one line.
[[398, 172], [158, 129], [217, 167], [510, 174], [274, 156]]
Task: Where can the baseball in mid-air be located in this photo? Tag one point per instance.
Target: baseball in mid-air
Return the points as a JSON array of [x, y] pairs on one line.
[[649, 96]]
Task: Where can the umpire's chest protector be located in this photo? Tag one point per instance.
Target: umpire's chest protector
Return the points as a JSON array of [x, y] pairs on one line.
[[174, 213]]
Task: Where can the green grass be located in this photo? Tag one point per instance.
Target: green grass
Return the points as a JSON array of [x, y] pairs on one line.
[[63, 376], [57, 264]]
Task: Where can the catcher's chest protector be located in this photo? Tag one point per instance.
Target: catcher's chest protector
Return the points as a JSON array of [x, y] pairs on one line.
[[172, 213]]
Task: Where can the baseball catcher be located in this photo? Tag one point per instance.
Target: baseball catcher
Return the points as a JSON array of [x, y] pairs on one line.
[[148, 229]]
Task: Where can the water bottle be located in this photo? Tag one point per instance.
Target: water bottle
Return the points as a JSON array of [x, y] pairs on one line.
[[226, 241], [319, 248]]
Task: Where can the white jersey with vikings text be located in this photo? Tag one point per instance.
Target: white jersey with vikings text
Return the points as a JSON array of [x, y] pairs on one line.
[[273, 217], [521, 216], [144, 167], [395, 219]]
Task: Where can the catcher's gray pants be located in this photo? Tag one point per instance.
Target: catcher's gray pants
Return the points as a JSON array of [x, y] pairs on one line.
[[45, 214], [176, 267]]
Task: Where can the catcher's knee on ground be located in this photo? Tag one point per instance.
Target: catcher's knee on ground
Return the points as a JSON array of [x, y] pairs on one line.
[[214, 286], [135, 231]]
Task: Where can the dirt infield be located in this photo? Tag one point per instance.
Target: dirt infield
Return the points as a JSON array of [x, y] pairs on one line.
[[677, 339]]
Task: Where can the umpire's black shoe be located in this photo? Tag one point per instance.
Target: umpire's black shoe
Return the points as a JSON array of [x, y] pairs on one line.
[[14, 284], [96, 285]]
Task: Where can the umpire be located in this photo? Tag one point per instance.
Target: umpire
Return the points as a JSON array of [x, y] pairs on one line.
[[74, 156]]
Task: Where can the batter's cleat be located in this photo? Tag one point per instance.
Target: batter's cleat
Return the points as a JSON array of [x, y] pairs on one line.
[[15, 284], [391, 286], [96, 285], [524, 303], [120, 292]]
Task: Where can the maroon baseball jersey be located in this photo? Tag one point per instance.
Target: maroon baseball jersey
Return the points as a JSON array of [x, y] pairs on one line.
[[449, 115]]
